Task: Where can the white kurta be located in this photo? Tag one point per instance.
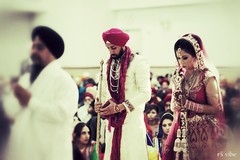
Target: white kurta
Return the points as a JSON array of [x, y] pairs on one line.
[[43, 129], [138, 92], [83, 114]]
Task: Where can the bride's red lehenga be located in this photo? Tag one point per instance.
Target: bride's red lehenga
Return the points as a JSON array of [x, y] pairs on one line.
[[203, 131]]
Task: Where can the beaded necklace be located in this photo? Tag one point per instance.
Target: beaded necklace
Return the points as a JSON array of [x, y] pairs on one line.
[[114, 75]]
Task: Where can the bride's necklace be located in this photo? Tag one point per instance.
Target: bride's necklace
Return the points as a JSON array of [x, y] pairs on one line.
[[189, 80]]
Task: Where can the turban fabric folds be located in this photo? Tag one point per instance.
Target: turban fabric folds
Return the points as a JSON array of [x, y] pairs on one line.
[[167, 98], [115, 36], [164, 80], [87, 94], [51, 39]]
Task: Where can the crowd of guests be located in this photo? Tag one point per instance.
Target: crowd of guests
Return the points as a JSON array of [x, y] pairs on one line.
[[231, 99], [158, 115]]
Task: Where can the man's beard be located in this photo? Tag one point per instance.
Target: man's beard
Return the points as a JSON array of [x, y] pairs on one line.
[[116, 56], [36, 68], [35, 71]]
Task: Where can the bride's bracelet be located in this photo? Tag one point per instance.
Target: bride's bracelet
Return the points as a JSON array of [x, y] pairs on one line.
[[196, 107]]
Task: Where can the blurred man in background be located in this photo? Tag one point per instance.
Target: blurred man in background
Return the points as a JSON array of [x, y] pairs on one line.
[[47, 100]]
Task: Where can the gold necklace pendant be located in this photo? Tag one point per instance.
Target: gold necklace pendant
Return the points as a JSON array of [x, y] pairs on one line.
[[189, 82], [189, 78]]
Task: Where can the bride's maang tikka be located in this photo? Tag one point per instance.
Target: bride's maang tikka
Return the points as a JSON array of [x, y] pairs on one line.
[[179, 50]]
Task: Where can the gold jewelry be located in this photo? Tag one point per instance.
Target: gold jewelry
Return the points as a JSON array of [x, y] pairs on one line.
[[179, 50], [117, 108], [114, 108], [115, 75], [198, 51], [194, 42], [128, 105], [189, 78]]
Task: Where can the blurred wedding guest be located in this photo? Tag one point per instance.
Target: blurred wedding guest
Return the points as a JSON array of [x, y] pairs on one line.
[[167, 102], [87, 85], [43, 104], [83, 147], [152, 124], [164, 89], [83, 113], [165, 84], [158, 128], [155, 100], [165, 125], [86, 113], [159, 79], [237, 85]]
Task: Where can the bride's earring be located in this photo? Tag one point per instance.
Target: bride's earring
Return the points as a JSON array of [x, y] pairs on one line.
[[195, 65]]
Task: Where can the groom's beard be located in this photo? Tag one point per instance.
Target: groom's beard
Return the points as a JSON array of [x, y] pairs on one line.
[[116, 56], [35, 71]]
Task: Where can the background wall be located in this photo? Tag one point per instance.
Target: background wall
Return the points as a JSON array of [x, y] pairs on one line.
[[154, 26], [14, 41], [217, 23]]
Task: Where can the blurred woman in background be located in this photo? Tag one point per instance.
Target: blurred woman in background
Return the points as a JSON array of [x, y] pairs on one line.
[[165, 125], [82, 145]]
